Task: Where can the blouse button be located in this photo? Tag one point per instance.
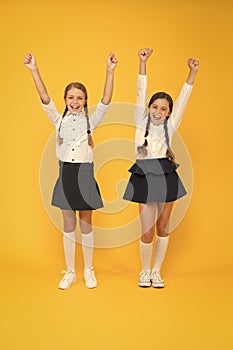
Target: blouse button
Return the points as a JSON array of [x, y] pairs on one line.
[[72, 149], [73, 139], [72, 160]]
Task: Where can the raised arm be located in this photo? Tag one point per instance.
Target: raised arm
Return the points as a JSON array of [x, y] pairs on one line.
[[30, 62], [185, 93], [143, 54], [108, 87], [193, 65], [140, 113]]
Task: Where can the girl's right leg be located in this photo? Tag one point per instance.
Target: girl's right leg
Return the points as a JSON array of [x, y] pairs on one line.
[[147, 216], [69, 244]]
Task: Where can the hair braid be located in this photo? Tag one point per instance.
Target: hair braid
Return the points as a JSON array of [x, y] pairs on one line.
[[142, 149], [59, 138], [90, 140], [170, 155]]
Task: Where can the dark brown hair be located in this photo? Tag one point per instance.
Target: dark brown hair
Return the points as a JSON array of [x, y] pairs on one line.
[[143, 149]]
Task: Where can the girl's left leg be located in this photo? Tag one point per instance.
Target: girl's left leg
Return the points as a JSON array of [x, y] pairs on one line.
[[164, 213], [147, 217], [85, 224]]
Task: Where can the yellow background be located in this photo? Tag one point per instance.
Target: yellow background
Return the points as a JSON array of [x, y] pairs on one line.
[[71, 40]]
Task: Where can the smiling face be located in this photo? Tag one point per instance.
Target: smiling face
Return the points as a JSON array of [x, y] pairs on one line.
[[159, 110], [75, 100], [160, 106]]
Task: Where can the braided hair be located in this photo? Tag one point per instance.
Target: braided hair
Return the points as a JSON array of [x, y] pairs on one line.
[[169, 154], [90, 140], [143, 149], [81, 87]]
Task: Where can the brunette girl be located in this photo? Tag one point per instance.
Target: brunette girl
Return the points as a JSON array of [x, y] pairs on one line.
[[154, 182]]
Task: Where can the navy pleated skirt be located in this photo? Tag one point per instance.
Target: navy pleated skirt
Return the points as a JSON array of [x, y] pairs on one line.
[[154, 180], [76, 187]]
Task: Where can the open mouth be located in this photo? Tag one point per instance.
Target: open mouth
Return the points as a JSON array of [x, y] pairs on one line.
[[75, 108], [157, 117]]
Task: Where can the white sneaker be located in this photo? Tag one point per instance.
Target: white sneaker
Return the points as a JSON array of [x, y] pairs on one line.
[[89, 277], [68, 279], [156, 279], [144, 280]]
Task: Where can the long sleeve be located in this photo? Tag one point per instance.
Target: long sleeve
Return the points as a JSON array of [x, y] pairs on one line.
[[52, 113], [179, 106], [142, 95], [98, 115]]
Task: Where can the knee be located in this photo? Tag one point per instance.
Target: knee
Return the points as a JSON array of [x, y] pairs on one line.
[[85, 227], [148, 236], [69, 227], [69, 224], [161, 228], [85, 223]]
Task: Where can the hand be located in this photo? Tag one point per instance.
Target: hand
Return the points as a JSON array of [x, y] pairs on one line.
[[30, 61], [193, 64], [111, 61], [144, 54]]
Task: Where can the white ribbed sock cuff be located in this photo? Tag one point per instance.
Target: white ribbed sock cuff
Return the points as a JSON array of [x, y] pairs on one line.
[[160, 251], [87, 247], [146, 253], [69, 249]]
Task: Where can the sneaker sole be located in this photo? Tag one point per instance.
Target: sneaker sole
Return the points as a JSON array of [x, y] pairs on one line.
[[144, 285], [158, 285], [91, 287], [67, 287]]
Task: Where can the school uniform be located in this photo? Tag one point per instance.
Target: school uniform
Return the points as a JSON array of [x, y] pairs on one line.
[[76, 187], [153, 177]]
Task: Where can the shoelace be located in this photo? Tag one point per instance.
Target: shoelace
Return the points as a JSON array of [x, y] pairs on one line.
[[90, 274], [67, 274], [157, 276], [145, 274]]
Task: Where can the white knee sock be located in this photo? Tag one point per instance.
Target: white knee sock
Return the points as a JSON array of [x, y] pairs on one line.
[[160, 251], [87, 247], [146, 252], [69, 249]]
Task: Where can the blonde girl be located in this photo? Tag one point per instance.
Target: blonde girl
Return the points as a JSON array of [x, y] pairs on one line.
[[76, 188]]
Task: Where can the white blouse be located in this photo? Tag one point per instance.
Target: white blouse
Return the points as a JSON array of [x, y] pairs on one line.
[[73, 131], [157, 146]]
